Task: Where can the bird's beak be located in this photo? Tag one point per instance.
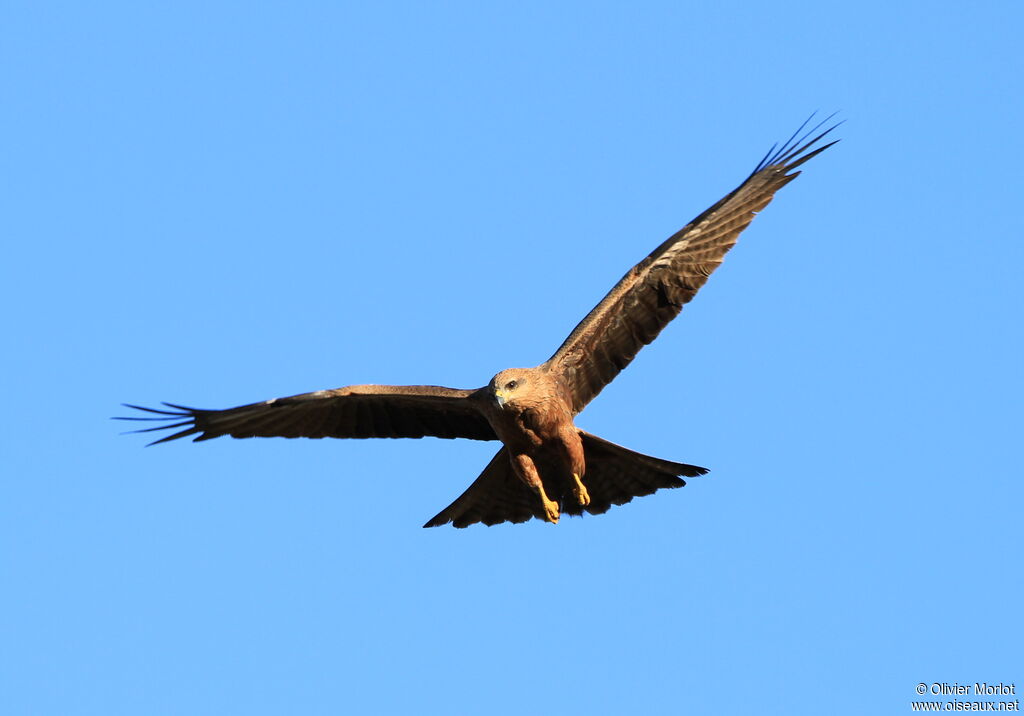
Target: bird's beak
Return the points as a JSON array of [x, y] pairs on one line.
[[502, 397]]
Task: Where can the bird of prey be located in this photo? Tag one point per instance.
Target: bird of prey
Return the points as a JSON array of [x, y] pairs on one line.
[[546, 465]]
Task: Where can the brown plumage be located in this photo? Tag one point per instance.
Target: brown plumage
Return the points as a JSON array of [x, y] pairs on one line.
[[547, 465]]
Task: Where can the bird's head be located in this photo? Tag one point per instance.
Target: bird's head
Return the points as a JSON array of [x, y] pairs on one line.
[[505, 386]]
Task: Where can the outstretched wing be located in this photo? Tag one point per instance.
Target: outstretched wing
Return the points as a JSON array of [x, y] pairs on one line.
[[356, 411], [654, 291]]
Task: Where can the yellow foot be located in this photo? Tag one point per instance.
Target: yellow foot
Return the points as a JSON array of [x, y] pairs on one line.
[[551, 511], [582, 496]]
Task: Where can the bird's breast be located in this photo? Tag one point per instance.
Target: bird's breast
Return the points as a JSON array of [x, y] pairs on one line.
[[525, 428]]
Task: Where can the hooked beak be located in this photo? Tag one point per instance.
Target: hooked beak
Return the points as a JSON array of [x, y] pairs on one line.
[[502, 397]]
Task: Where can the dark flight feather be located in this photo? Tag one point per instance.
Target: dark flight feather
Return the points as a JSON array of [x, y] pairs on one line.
[[357, 411], [654, 291]]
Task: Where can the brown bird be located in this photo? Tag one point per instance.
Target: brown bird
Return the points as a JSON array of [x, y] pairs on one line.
[[547, 465]]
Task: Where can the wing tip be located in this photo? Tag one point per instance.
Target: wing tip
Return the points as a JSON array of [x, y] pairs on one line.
[[794, 151], [179, 417]]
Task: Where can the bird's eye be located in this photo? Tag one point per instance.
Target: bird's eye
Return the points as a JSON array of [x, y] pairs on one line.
[[511, 385]]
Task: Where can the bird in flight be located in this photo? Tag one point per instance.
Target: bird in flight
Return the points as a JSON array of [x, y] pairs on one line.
[[546, 465]]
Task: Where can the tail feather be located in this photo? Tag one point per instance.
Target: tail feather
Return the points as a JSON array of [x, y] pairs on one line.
[[496, 496], [615, 475]]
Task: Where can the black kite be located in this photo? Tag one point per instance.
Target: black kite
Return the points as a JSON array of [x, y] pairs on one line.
[[546, 465]]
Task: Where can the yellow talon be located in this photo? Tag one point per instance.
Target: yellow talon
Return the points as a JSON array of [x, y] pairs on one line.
[[582, 496], [551, 511], [550, 506]]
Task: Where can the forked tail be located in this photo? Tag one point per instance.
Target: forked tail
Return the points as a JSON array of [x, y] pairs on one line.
[[615, 475]]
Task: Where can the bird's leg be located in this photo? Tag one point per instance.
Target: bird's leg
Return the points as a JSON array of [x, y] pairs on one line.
[[525, 468], [572, 455], [580, 490]]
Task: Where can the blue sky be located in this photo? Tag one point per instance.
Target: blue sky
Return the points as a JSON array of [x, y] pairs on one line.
[[219, 203]]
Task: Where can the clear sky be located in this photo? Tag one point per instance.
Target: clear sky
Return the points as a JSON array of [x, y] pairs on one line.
[[217, 203]]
